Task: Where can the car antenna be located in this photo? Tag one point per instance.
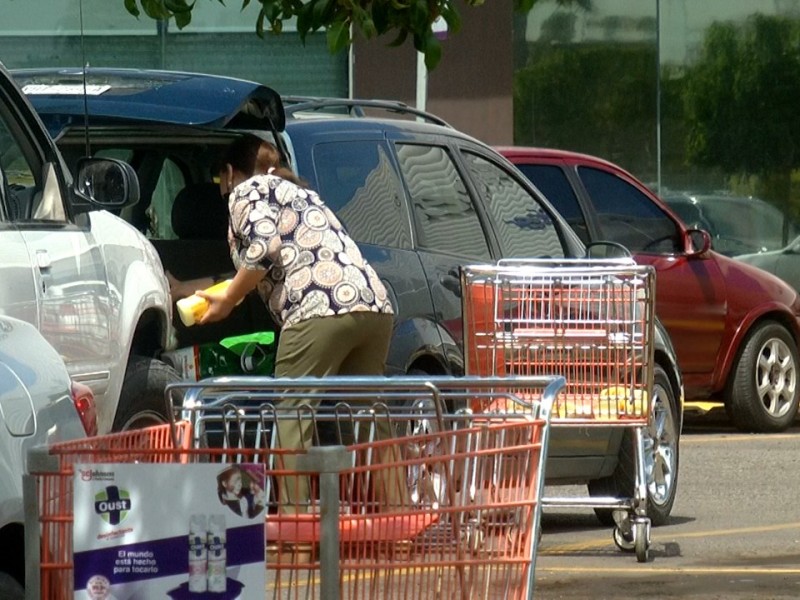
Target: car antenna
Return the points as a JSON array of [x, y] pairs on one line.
[[85, 95]]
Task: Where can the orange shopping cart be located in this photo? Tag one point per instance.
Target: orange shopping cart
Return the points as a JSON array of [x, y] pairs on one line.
[[591, 321], [446, 504]]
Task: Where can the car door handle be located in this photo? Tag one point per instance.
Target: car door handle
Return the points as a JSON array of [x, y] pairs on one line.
[[43, 261], [451, 282]]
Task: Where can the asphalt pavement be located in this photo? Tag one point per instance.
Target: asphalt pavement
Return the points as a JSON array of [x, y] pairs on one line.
[[734, 532]]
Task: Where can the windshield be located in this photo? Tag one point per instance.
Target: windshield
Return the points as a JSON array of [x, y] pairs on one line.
[[737, 225]]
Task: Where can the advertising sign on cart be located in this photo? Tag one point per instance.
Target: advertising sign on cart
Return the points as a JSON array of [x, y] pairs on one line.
[[179, 532]]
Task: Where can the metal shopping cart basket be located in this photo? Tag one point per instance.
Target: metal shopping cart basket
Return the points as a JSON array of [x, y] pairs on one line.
[[419, 497], [591, 321]]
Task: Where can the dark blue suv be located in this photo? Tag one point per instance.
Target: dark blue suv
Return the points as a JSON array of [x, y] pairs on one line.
[[421, 199]]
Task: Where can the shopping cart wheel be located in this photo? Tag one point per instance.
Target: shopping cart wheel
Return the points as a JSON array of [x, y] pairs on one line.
[[624, 540], [641, 539]]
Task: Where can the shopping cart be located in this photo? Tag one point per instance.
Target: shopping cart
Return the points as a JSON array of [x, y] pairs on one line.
[[591, 321], [446, 505]]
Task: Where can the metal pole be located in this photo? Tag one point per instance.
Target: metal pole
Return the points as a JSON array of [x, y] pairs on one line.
[[328, 461], [658, 96], [422, 82]]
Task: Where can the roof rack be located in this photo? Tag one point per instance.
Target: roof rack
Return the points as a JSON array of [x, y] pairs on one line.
[[354, 107]]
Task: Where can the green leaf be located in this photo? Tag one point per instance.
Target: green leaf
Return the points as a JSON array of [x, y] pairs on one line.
[[132, 7], [338, 36], [260, 23], [452, 18], [155, 10], [433, 52], [304, 20], [319, 8], [274, 14], [419, 20], [182, 19], [363, 21], [380, 15], [402, 36]]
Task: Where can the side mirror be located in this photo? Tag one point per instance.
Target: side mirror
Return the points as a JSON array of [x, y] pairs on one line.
[[697, 242], [106, 183]]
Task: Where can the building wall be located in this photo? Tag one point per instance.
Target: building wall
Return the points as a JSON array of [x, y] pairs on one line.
[[471, 88], [221, 39]]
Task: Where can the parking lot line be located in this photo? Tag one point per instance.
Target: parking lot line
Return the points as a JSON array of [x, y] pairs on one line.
[[736, 437], [640, 569], [606, 541]]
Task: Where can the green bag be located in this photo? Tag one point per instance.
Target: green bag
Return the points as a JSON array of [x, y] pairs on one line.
[[249, 354]]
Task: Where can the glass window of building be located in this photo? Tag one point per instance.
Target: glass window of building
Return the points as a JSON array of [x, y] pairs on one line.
[[650, 86]]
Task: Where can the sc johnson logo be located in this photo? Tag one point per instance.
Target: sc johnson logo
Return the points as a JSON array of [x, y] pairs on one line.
[[95, 475], [112, 504]]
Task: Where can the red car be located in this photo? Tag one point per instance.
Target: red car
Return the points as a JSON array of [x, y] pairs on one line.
[[735, 328]]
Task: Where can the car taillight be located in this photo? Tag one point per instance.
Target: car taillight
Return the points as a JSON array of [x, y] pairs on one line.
[[83, 398]]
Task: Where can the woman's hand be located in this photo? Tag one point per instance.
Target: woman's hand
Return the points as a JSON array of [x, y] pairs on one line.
[[220, 306]]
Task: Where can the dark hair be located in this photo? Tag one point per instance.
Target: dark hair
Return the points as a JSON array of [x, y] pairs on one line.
[[251, 155]]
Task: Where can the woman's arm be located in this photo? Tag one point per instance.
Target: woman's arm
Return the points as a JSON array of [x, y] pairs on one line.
[[181, 289]]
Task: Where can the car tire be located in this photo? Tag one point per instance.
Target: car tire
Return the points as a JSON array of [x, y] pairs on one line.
[[142, 402], [662, 443], [762, 393], [10, 588]]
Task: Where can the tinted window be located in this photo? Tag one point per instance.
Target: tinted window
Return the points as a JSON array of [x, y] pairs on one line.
[[24, 200], [445, 218], [358, 183], [627, 216], [553, 183], [525, 229], [159, 214]]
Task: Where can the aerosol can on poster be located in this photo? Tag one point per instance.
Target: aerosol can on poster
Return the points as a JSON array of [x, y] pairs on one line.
[[217, 554], [198, 554]]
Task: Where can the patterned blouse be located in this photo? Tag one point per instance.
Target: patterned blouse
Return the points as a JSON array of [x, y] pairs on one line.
[[314, 268]]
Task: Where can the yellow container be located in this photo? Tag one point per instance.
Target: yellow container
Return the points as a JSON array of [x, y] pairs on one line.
[[192, 308]]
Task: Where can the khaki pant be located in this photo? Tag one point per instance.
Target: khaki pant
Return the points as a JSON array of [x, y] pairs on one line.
[[350, 344]]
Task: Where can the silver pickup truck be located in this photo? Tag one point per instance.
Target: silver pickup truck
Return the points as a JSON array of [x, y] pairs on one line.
[[70, 265]]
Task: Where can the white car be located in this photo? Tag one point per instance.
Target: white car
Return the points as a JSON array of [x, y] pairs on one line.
[[783, 262], [38, 405], [91, 283]]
